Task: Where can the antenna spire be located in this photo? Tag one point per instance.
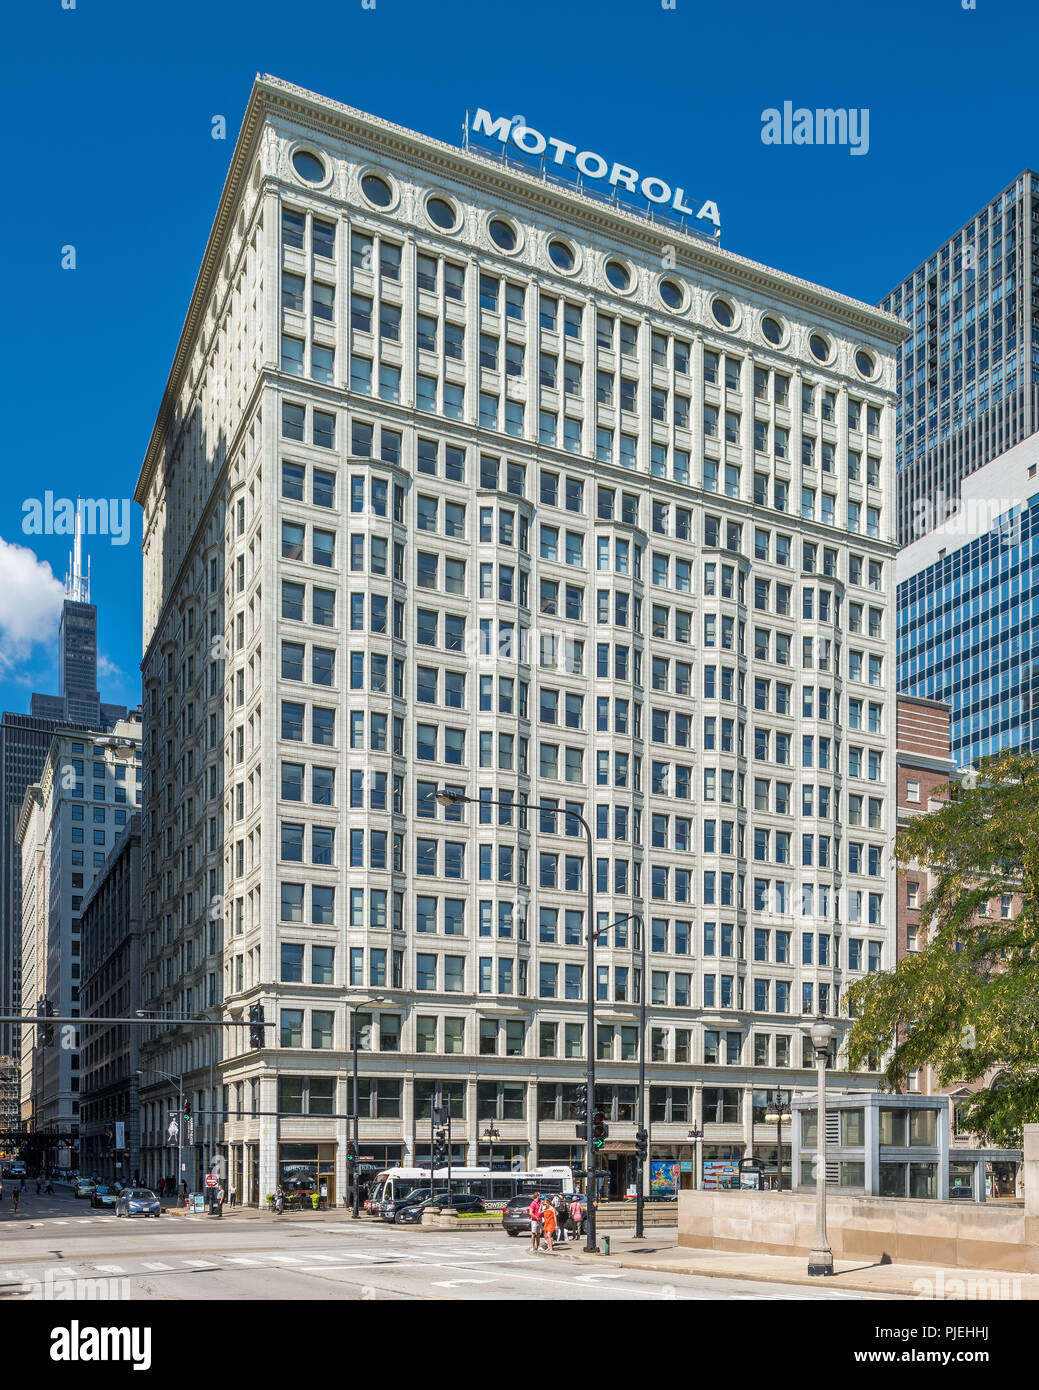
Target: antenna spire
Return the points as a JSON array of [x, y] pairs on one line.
[[77, 585]]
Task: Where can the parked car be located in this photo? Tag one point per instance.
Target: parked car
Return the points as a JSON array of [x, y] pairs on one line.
[[137, 1201], [515, 1219], [103, 1196], [84, 1188], [462, 1201], [388, 1210]]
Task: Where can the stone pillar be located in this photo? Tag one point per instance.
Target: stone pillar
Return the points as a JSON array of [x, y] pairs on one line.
[[268, 1147]]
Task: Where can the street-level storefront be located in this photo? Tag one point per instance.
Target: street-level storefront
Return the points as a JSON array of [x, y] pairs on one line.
[[672, 1169], [720, 1166], [308, 1169], [766, 1154]]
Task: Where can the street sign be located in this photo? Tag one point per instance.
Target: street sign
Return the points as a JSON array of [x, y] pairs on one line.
[[212, 1180]]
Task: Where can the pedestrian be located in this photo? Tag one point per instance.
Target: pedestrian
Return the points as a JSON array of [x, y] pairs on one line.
[[576, 1215], [548, 1221], [220, 1201], [232, 1195], [50, 1187], [37, 1187], [15, 1197], [162, 1184], [560, 1208], [534, 1211]]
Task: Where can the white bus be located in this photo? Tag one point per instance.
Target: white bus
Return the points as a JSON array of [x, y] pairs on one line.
[[493, 1185]]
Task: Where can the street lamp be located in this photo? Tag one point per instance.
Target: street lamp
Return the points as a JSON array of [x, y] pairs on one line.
[[777, 1109], [355, 1175], [177, 1081], [640, 1201], [820, 1260], [447, 798], [492, 1135], [695, 1133]]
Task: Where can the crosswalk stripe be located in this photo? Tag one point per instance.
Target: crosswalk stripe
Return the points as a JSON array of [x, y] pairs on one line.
[[156, 1264], [240, 1260], [111, 1269]]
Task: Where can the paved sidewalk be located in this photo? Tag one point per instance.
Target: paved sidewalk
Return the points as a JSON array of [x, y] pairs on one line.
[[908, 1281]]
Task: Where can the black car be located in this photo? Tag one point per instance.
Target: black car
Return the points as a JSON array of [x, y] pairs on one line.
[[463, 1202], [388, 1210], [103, 1196], [515, 1219]]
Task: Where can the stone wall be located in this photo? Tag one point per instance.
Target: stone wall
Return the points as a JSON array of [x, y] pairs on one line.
[[966, 1235]]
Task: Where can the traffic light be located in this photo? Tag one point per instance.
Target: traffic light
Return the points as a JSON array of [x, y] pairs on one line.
[[600, 1130], [439, 1148], [582, 1111], [45, 1033], [187, 1110], [641, 1144], [256, 1034], [351, 1154]]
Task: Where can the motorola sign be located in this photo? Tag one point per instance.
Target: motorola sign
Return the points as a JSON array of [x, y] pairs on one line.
[[592, 165]]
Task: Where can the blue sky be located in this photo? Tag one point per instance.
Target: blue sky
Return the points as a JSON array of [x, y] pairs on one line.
[[109, 109]]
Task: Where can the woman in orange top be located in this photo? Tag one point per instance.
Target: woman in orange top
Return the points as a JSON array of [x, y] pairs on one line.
[[548, 1221]]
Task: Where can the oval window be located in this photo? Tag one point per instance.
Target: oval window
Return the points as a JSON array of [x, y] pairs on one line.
[[819, 347], [671, 294], [560, 255], [441, 213], [865, 362], [617, 275], [308, 166], [771, 329], [376, 190], [722, 311], [502, 235]]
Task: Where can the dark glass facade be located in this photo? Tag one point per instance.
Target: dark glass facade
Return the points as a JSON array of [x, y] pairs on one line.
[[968, 634]]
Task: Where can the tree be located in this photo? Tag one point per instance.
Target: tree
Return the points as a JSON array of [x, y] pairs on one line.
[[967, 1003]]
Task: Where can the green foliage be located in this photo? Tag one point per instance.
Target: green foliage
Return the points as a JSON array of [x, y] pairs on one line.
[[967, 1003]]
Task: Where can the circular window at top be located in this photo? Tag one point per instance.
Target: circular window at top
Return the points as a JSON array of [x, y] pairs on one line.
[[308, 166], [442, 214], [819, 347], [865, 362], [560, 255], [772, 329], [617, 275], [671, 294], [502, 234], [723, 312], [376, 190]]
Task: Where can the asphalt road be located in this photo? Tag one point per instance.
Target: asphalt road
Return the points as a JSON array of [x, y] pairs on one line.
[[54, 1242]]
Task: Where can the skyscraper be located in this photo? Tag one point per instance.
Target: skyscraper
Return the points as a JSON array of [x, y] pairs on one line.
[[465, 477], [968, 374], [24, 741]]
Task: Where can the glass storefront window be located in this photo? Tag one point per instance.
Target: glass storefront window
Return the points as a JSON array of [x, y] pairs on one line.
[[923, 1129], [809, 1129], [892, 1179], [853, 1174], [853, 1129], [923, 1178], [893, 1128], [308, 1168], [961, 1181]]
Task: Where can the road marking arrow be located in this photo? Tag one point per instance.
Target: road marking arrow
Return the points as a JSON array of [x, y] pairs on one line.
[[454, 1283]]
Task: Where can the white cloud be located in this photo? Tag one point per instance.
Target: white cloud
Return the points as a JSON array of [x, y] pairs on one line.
[[30, 604], [107, 668]]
